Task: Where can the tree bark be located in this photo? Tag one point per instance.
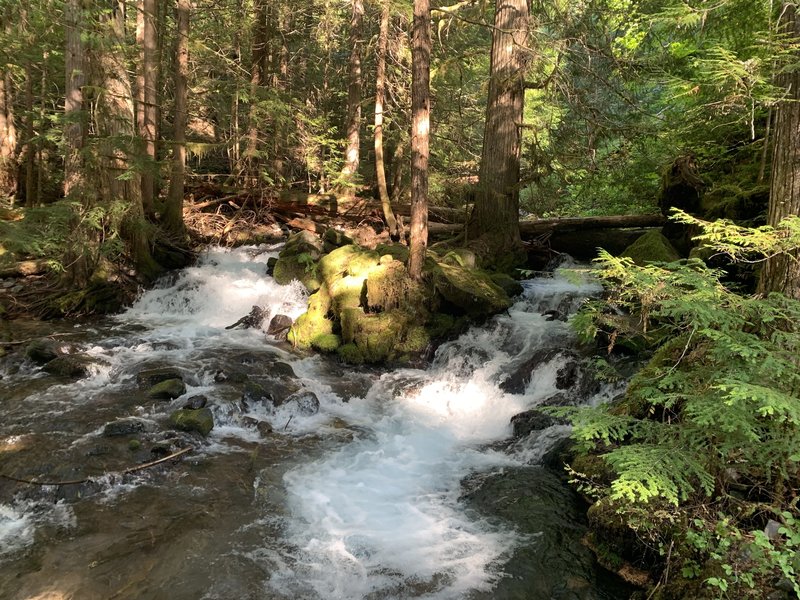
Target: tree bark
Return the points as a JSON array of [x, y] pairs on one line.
[[355, 82], [496, 213], [380, 100], [147, 85], [74, 116], [173, 212], [420, 133], [782, 273], [258, 76], [8, 131]]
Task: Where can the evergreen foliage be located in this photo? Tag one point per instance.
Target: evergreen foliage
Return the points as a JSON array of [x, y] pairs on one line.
[[712, 423]]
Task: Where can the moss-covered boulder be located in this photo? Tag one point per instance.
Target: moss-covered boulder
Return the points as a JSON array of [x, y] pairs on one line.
[[333, 238], [43, 351], [651, 247], [313, 322], [388, 285], [470, 290], [326, 342], [461, 257], [379, 335], [70, 365], [350, 354], [510, 286], [201, 420], [347, 292], [396, 251], [167, 390], [298, 260], [150, 377]]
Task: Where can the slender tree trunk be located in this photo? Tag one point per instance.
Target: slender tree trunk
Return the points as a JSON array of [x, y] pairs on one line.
[[782, 273], [41, 173], [74, 116], [355, 83], [147, 117], [420, 132], [496, 214], [173, 213], [260, 52], [30, 145], [8, 131], [380, 100], [234, 148]]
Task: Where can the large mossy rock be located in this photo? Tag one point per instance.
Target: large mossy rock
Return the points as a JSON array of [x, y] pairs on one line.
[[43, 351], [312, 323], [470, 290], [298, 260], [348, 260], [70, 365], [651, 247], [201, 420], [167, 390]]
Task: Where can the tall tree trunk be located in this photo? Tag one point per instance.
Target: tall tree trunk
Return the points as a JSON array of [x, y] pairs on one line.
[[8, 130], [173, 212], [29, 149], [496, 214], [781, 273], [147, 117], [74, 116], [420, 132], [354, 85], [380, 100], [258, 76]]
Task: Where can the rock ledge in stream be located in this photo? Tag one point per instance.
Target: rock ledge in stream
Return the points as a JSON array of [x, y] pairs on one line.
[[201, 420], [70, 365], [150, 377]]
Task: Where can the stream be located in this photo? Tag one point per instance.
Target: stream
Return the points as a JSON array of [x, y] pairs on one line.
[[365, 484]]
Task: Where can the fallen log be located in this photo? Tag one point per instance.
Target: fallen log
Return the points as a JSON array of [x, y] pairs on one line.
[[541, 226]]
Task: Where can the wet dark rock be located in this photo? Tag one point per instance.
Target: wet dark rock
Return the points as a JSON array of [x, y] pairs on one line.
[[161, 449], [281, 370], [70, 365], [520, 377], [230, 376], [130, 426], [279, 326], [263, 427], [529, 421], [167, 390], [150, 377], [271, 265], [304, 403], [42, 351], [196, 402], [201, 421], [552, 563], [254, 393], [252, 320], [559, 400]]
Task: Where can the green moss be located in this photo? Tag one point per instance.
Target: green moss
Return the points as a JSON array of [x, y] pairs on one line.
[[335, 264], [200, 420], [167, 390], [396, 251], [471, 290], [326, 342], [302, 242], [378, 335], [300, 267], [134, 445], [651, 247], [510, 286], [348, 320], [440, 325], [336, 238], [387, 285], [361, 264], [350, 354], [416, 340], [347, 292], [307, 326]]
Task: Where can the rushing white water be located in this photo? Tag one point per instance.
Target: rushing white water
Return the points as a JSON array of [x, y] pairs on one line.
[[375, 515], [381, 515]]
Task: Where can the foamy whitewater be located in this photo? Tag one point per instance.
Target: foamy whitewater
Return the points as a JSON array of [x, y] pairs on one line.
[[377, 515]]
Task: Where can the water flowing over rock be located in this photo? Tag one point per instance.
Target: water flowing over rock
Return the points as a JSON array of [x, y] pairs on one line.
[[307, 478]]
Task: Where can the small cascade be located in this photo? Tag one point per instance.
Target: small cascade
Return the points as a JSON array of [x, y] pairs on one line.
[[370, 485]]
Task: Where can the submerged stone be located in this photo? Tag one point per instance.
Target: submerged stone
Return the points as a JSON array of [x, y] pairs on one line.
[[42, 351], [122, 427], [201, 420], [167, 390], [69, 365]]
